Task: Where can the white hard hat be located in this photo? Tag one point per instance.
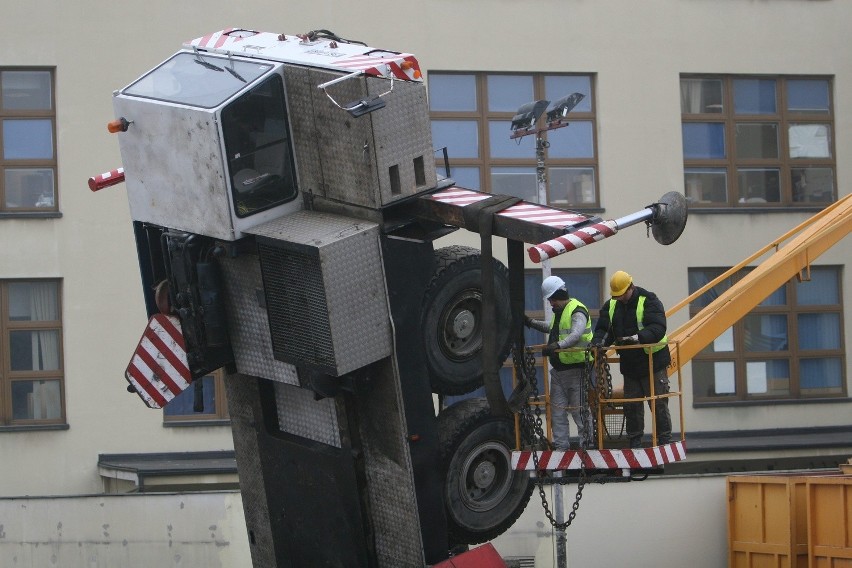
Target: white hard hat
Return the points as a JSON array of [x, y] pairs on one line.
[[550, 285]]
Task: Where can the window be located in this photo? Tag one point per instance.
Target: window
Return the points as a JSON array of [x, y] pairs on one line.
[[584, 284], [27, 141], [788, 347], [471, 118], [758, 141], [31, 367], [211, 394]]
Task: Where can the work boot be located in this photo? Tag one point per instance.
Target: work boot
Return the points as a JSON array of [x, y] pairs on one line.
[[635, 442], [663, 440]]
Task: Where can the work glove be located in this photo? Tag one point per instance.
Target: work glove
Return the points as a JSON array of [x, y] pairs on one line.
[[549, 349], [527, 321], [632, 340]]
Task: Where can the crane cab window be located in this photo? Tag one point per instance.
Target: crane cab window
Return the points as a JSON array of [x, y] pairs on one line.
[[258, 149]]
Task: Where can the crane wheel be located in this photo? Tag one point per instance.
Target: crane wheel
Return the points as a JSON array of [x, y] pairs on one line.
[[452, 319], [483, 495]]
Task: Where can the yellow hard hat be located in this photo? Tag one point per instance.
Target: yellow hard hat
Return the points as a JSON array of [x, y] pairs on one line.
[[619, 283]]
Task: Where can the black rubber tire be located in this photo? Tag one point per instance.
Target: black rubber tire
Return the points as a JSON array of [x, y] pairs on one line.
[[483, 495], [452, 319]]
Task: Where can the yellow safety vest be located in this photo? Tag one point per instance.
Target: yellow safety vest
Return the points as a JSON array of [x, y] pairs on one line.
[[570, 357], [640, 314]]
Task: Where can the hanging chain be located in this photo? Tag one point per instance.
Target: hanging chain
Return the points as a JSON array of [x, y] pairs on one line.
[[532, 433]]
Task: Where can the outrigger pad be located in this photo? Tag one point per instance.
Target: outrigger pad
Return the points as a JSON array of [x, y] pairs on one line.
[[670, 218]]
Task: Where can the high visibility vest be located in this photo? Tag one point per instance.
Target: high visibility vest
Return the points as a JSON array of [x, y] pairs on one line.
[[640, 314], [570, 357]]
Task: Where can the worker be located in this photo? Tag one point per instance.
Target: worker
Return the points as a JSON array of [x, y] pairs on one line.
[[634, 315], [570, 326]]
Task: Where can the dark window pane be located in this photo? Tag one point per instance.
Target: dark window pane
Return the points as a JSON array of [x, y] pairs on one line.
[[466, 177], [822, 288], [503, 147], [758, 185], [26, 90], [758, 140], [36, 400], [33, 301], [520, 182], [507, 93], [703, 140], [182, 404], [34, 350], [699, 278], [585, 286], [570, 187], [700, 96], [770, 377], [820, 376], [559, 86], [808, 95], [28, 139], [452, 92], [765, 332], [819, 331], [713, 378], [706, 185], [815, 185], [29, 187], [183, 80], [576, 141], [754, 96], [460, 137], [260, 158]]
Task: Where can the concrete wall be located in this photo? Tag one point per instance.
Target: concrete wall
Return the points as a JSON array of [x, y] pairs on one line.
[[181, 530], [664, 522]]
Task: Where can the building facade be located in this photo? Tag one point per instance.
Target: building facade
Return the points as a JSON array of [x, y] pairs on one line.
[[740, 105]]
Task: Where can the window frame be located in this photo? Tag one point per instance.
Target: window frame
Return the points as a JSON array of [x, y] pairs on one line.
[[483, 117], [8, 377], [220, 411], [40, 163], [740, 356], [732, 165]]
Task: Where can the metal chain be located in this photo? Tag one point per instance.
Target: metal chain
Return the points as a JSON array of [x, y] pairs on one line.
[[533, 434]]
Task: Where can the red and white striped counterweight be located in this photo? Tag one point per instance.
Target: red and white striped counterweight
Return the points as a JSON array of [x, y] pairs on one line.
[[158, 371]]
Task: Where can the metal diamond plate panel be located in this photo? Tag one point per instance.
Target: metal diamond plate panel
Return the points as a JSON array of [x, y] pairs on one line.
[[369, 161], [393, 501], [350, 310], [241, 394], [301, 415], [403, 137], [248, 325]]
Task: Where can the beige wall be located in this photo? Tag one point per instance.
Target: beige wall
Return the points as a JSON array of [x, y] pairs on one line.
[[636, 49], [207, 530]]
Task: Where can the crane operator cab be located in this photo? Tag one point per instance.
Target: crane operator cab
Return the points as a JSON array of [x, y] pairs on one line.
[[230, 117]]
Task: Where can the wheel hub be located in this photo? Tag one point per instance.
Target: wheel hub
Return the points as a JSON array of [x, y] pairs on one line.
[[484, 474], [463, 324]]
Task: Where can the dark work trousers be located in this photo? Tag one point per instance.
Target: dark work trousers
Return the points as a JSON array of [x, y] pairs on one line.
[[634, 412]]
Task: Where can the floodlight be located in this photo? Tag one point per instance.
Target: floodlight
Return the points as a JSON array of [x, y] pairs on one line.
[[528, 114], [560, 109]]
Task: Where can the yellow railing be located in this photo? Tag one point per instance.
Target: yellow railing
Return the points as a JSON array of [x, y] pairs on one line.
[[604, 404]]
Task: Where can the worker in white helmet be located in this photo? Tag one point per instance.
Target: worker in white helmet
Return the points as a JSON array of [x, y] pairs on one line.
[[635, 315], [571, 326]]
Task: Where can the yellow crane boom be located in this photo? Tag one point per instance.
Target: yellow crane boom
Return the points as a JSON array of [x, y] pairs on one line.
[[806, 243]]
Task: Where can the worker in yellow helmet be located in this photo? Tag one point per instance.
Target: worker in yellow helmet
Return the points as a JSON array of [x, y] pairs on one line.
[[635, 315]]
